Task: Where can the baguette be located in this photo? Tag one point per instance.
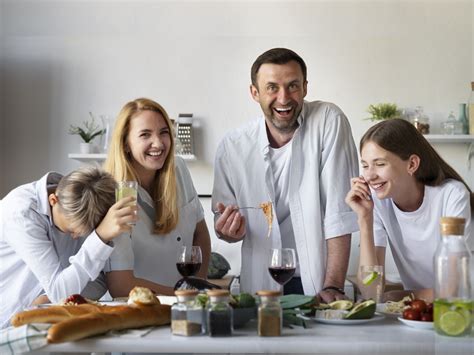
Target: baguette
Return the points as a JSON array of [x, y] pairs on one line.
[[109, 318], [53, 314]]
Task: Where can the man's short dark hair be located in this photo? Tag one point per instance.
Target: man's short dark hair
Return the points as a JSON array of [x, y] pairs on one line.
[[276, 56]]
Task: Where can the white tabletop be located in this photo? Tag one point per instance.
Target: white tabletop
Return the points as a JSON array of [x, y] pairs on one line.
[[387, 336]]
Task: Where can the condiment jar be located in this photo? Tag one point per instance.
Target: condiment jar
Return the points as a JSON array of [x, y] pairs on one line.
[[187, 315], [219, 313], [269, 314]]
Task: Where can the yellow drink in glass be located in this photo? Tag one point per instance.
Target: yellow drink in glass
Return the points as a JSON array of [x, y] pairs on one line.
[[126, 189]]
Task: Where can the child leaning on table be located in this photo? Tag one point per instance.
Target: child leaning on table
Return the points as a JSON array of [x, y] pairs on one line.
[[404, 189], [44, 252]]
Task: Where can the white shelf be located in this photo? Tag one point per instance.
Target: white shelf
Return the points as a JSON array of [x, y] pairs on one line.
[[87, 158], [449, 138]]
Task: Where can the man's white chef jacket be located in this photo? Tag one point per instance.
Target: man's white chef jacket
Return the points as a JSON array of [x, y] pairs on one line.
[[323, 160]]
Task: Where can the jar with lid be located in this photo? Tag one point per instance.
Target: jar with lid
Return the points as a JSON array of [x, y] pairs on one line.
[[421, 121], [269, 314], [451, 125], [219, 314], [187, 316], [453, 305]]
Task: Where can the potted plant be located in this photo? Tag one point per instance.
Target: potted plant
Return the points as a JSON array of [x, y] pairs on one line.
[[383, 111], [88, 132]]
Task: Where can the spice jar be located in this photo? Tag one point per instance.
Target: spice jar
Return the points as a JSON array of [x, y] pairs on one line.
[[269, 314], [421, 121], [187, 315], [219, 313]]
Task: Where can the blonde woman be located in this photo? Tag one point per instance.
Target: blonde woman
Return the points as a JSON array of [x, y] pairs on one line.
[[170, 214]]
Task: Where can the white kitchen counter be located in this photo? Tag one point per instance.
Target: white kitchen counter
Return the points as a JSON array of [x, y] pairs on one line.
[[387, 336]]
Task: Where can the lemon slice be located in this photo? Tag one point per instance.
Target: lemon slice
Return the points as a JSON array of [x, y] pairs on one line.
[[452, 323], [341, 304], [370, 278]]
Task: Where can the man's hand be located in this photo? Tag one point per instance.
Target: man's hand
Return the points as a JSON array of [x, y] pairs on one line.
[[118, 219], [328, 296], [230, 224]]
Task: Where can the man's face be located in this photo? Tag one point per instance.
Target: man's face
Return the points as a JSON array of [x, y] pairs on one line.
[[280, 91]]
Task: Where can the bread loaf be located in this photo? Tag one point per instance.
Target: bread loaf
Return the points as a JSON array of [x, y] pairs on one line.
[[53, 314], [109, 318]]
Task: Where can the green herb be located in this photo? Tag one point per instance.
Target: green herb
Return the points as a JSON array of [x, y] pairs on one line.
[[90, 130], [383, 111]]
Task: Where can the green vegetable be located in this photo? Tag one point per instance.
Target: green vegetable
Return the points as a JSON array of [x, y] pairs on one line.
[[218, 266], [246, 300], [202, 299], [364, 310], [295, 307], [294, 301]]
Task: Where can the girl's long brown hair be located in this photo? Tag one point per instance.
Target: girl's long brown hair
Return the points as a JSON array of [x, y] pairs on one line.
[[401, 138], [118, 163]]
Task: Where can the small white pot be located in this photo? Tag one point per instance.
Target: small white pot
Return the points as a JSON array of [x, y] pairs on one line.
[[85, 148]]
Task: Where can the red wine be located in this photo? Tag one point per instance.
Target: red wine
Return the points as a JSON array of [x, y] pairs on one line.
[[282, 274], [188, 268]]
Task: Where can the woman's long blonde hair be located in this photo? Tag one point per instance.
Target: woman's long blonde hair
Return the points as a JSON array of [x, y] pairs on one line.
[[119, 164]]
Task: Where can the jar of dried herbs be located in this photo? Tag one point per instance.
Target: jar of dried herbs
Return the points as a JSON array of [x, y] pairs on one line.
[[269, 314], [219, 313], [187, 316]]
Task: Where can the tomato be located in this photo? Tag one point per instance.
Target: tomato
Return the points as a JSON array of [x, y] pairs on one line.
[[426, 317], [418, 305], [429, 308], [411, 314]]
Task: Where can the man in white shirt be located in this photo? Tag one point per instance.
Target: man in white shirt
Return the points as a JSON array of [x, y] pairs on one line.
[[301, 157], [42, 257]]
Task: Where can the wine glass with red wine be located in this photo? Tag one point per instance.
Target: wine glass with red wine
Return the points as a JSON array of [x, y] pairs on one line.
[[189, 260], [282, 264]]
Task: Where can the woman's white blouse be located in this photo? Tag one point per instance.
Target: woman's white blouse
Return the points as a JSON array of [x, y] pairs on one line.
[[152, 256]]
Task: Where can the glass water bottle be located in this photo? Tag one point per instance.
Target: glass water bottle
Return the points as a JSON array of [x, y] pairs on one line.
[[453, 305]]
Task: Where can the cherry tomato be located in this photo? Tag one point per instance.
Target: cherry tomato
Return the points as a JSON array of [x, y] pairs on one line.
[[429, 308], [419, 305], [426, 317], [411, 314]]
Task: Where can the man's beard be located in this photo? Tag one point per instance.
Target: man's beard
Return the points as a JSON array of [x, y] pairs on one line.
[[285, 126]]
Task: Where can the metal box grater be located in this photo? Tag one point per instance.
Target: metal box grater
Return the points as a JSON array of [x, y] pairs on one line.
[[185, 134]]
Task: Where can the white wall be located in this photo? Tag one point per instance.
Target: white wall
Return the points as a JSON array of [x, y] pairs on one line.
[[62, 59]]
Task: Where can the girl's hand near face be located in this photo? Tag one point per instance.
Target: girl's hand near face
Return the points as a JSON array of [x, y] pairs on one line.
[[359, 197], [119, 219]]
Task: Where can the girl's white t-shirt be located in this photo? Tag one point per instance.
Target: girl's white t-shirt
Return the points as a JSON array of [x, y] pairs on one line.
[[414, 236]]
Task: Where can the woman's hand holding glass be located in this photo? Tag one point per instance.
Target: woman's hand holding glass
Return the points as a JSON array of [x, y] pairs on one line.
[[119, 219]]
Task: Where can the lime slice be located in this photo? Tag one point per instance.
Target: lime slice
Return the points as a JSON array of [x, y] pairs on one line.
[[370, 278], [452, 323], [341, 304]]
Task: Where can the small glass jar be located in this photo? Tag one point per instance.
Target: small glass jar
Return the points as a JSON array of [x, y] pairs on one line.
[[219, 314], [421, 121], [269, 314], [187, 316]]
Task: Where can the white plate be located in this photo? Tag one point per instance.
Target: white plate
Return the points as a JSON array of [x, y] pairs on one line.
[[375, 318], [416, 323], [382, 308]]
